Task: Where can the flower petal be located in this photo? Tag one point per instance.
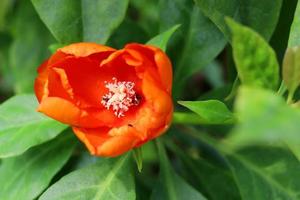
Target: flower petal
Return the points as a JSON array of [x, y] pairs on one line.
[[161, 60], [40, 81], [84, 49], [67, 112], [108, 142]]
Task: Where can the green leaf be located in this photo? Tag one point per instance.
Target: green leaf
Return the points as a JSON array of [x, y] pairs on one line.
[[266, 173], [5, 7], [211, 111], [294, 39], [29, 47], [255, 60], [291, 70], [251, 13], [101, 18], [162, 39], [265, 119], [170, 185], [73, 21], [21, 127], [26, 176], [107, 179]]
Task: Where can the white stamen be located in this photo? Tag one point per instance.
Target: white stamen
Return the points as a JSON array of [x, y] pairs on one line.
[[121, 96]]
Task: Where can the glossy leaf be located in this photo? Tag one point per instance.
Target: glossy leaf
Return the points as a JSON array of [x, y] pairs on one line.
[[162, 39], [294, 39], [171, 186], [265, 119], [211, 111], [255, 60], [251, 13], [29, 33], [266, 173], [21, 127], [26, 176], [74, 21], [291, 70], [107, 179]]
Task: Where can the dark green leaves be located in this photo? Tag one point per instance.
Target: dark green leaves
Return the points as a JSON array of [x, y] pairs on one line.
[[255, 60], [294, 39], [291, 70], [26, 176], [211, 111], [108, 179], [262, 16], [21, 127], [171, 186], [74, 21]]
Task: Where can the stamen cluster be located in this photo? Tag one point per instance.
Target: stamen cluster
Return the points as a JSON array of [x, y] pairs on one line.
[[121, 96]]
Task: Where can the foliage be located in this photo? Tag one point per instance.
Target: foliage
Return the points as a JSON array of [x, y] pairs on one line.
[[235, 130]]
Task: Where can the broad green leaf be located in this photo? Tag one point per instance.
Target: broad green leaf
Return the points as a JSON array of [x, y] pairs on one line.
[[26, 176], [266, 173], [255, 60], [291, 70], [251, 13], [294, 39], [170, 185], [107, 179], [162, 39], [265, 119], [211, 111], [21, 127], [73, 21], [29, 47]]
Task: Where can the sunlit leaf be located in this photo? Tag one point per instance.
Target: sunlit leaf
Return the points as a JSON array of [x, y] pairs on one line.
[[22, 127], [255, 60], [26, 176], [294, 39], [211, 111], [107, 179]]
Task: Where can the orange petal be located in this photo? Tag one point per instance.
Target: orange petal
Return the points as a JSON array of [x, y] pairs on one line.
[[84, 49], [68, 113], [161, 60], [108, 143], [41, 80]]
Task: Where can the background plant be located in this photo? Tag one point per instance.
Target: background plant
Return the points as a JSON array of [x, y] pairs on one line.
[[235, 132]]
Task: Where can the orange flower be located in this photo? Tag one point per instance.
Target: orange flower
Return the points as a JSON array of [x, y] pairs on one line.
[[115, 100]]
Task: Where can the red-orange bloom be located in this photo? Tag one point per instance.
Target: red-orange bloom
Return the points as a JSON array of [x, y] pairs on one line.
[[115, 100]]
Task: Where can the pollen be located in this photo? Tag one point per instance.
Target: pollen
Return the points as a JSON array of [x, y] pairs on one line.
[[121, 96]]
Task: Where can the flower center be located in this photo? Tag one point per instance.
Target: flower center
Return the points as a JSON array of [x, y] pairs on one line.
[[121, 96]]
